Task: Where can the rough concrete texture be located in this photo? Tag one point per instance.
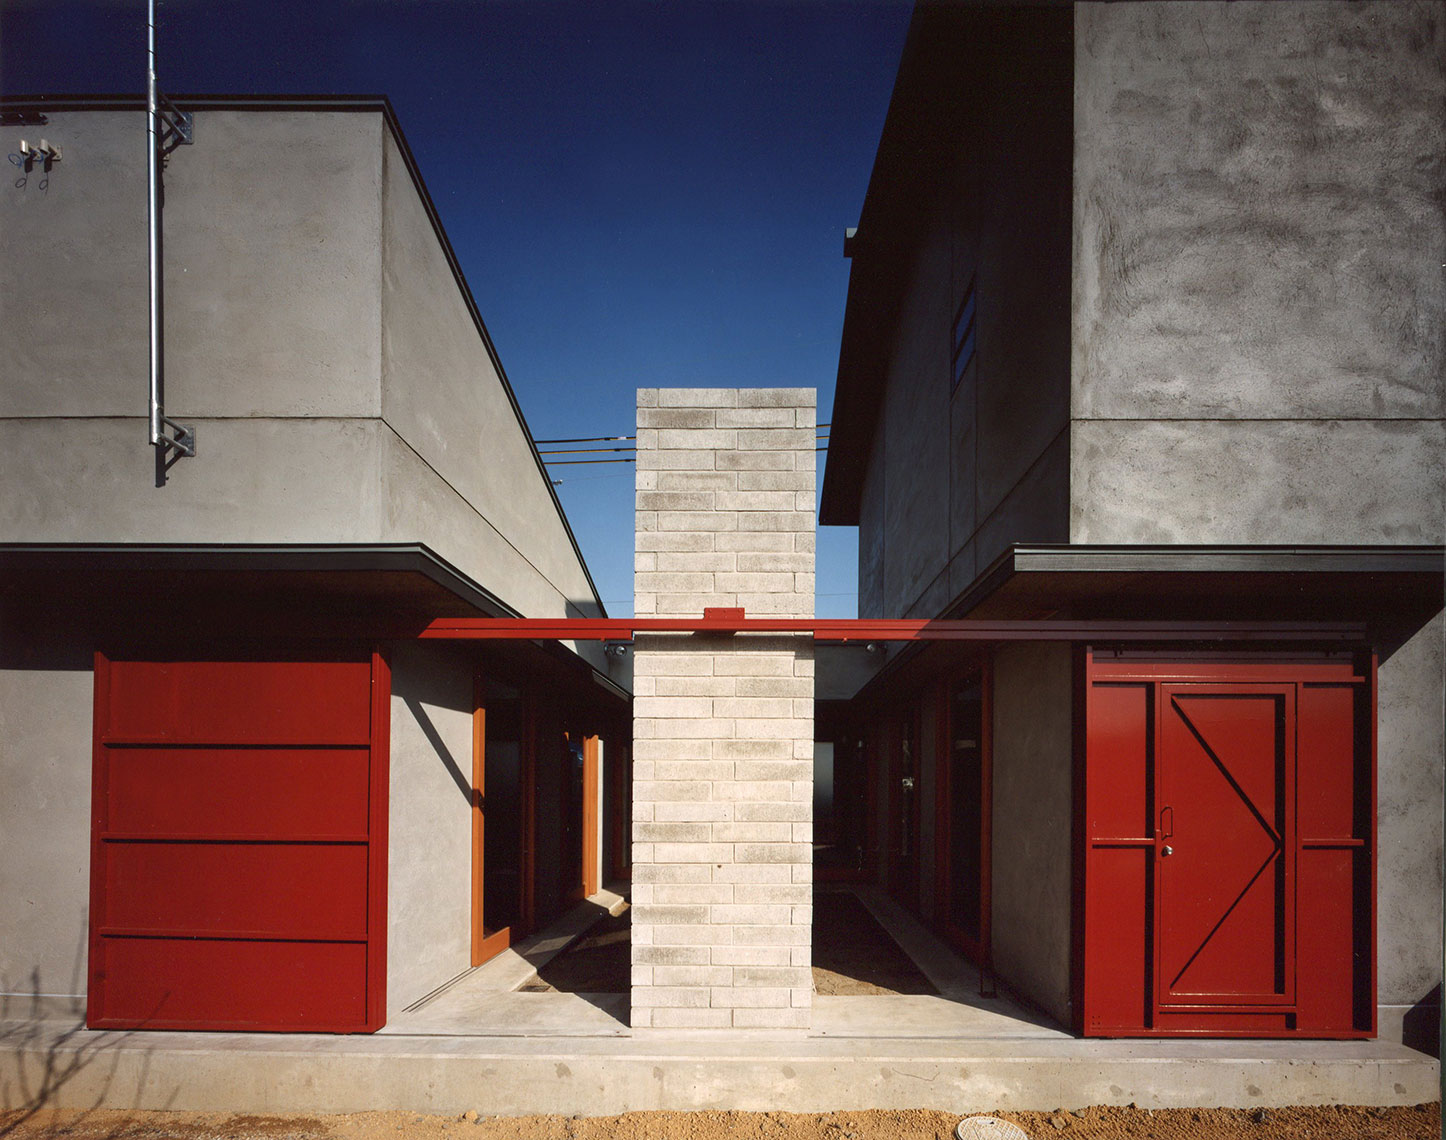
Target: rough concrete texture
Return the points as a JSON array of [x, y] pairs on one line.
[[73, 338], [266, 275], [45, 762], [1033, 809], [722, 858], [272, 269], [314, 331], [1258, 211], [442, 395], [1409, 751], [872, 505], [915, 421], [1258, 481], [608, 1075], [265, 480], [1259, 335], [429, 853], [1259, 344], [957, 472]]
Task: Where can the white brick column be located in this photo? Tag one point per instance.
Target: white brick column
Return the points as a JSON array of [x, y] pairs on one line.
[[723, 726]]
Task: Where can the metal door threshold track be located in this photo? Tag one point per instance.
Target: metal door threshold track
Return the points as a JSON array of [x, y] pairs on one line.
[[482, 1043]]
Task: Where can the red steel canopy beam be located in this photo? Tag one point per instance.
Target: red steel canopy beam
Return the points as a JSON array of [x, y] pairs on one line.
[[887, 629]]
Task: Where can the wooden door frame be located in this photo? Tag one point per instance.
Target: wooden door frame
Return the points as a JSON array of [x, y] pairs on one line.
[[591, 856], [527, 832], [587, 883], [484, 946], [980, 950]]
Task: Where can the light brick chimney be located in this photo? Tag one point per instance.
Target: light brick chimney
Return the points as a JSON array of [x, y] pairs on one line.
[[723, 725]]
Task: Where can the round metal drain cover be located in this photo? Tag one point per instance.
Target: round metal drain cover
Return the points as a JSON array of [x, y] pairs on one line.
[[988, 1128]]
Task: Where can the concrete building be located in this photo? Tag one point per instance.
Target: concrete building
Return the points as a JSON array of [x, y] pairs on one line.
[[363, 469], [1141, 382], [1146, 322]]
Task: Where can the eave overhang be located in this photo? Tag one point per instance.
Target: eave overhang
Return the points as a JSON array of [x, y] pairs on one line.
[[1364, 584], [196, 596], [1352, 597]]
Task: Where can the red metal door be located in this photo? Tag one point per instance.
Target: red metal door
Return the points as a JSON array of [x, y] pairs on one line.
[[238, 852], [1225, 844]]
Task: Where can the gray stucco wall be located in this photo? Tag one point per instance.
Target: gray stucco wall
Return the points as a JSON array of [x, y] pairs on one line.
[[1260, 331], [1410, 746], [1258, 481], [914, 431], [45, 763], [46, 690], [271, 269], [429, 878], [442, 396], [956, 474], [262, 480], [315, 334], [1031, 902], [343, 394], [1259, 342]]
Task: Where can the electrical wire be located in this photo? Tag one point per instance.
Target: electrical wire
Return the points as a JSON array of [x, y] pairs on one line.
[[585, 450], [587, 439]]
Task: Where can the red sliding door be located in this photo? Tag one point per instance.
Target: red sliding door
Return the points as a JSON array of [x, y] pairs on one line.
[[239, 848]]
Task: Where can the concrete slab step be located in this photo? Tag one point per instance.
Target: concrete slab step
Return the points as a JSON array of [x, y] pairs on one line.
[[660, 1070]]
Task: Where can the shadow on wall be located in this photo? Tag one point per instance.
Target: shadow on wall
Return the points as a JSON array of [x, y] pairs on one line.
[[429, 678], [439, 746], [41, 1054], [1421, 1029]]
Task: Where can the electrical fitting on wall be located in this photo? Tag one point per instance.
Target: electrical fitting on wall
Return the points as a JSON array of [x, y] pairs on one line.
[[44, 152]]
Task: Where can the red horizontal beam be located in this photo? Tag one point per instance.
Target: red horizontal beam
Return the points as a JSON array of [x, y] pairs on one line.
[[887, 629]]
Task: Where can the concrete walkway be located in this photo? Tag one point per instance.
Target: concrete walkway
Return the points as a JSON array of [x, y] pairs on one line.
[[485, 1003], [685, 1070], [478, 1044]]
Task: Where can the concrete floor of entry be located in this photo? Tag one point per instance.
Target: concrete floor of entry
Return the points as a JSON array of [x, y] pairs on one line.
[[485, 1001], [682, 1070]]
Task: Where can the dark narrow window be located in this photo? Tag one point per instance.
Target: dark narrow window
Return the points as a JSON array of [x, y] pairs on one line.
[[963, 337]]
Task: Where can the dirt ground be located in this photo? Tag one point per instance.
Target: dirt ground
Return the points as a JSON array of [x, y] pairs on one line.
[[1421, 1122]]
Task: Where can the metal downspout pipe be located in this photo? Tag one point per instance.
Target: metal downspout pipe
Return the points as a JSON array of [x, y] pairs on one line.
[[153, 219]]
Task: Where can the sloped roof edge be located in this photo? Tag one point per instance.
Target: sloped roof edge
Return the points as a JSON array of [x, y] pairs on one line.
[[379, 104]]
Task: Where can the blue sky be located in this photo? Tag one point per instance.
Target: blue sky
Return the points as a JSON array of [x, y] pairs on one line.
[[641, 194]]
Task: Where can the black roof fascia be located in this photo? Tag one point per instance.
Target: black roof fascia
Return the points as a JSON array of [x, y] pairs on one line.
[[375, 103], [1196, 559], [1025, 559], [1293, 559], [414, 557]]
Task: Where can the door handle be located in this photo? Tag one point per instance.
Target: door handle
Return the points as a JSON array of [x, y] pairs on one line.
[[1167, 822], [1166, 850]]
